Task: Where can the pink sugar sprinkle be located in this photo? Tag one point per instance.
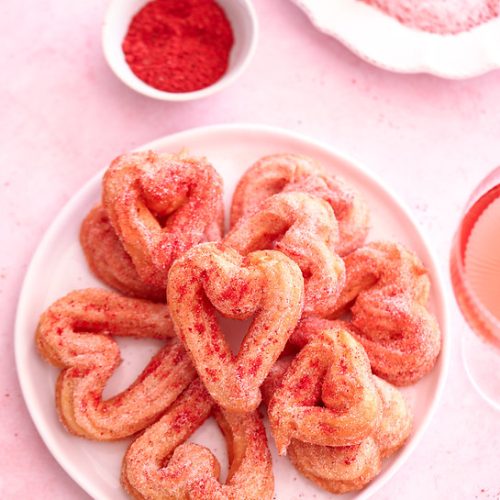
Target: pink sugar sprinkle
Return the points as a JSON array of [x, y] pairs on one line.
[[440, 16]]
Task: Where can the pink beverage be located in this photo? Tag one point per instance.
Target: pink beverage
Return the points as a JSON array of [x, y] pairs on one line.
[[475, 261]]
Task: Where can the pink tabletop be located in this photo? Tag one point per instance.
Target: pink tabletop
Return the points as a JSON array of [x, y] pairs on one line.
[[65, 116]]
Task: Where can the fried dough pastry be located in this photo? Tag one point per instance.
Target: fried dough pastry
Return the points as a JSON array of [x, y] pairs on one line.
[[349, 468], [160, 205], [274, 378], [160, 465], [327, 396], [74, 334], [214, 277], [109, 261], [390, 289], [309, 328], [304, 228], [290, 172]]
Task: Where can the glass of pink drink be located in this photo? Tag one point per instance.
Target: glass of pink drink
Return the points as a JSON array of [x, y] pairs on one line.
[[475, 275]]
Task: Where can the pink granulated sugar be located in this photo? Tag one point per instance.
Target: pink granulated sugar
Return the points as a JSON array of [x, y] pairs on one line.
[[440, 16]]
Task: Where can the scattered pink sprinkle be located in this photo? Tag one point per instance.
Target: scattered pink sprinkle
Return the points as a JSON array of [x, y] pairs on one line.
[[440, 16]]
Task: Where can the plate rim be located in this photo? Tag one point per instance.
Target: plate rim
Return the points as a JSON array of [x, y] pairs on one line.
[[184, 135], [422, 64]]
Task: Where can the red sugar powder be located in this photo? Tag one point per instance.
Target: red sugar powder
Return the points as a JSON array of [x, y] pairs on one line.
[[440, 16], [179, 46]]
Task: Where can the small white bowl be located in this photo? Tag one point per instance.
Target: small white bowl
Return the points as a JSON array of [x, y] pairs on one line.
[[241, 15]]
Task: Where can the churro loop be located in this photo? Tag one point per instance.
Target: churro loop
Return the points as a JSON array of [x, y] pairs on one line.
[[274, 378], [290, 172], [191, 471], [143, 472], [349, 468], [310, 328], [390, 288], [337, 469], [304, 228], [327, 395], [160, 205], [396, 424], [212, 277], [74, 335], [108, 260]]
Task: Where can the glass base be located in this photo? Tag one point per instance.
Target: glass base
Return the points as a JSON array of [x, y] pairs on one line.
[[482, 364]]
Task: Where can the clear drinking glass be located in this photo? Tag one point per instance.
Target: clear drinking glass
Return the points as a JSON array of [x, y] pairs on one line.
[[475, 274]]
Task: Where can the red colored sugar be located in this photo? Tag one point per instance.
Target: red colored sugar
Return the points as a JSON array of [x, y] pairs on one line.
[[179, 46]]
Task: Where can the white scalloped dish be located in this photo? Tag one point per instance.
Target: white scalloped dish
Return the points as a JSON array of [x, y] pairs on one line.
[[385, 42], [58, 267]]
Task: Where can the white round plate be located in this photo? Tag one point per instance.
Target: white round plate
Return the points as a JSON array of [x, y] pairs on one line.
[[385, 42], [58, 267]]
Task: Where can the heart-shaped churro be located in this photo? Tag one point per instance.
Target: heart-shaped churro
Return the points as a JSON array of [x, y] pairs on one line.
[[74, 334], [292, 172], [213, 277], [160, 205], [327, 396], [387, 289], [304, 228], [159, 464]]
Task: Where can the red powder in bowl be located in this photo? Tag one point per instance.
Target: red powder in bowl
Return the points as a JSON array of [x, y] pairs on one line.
[[440, 16], [179, 46]]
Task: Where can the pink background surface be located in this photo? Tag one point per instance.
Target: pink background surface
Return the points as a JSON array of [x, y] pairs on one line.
[[65, 115]]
